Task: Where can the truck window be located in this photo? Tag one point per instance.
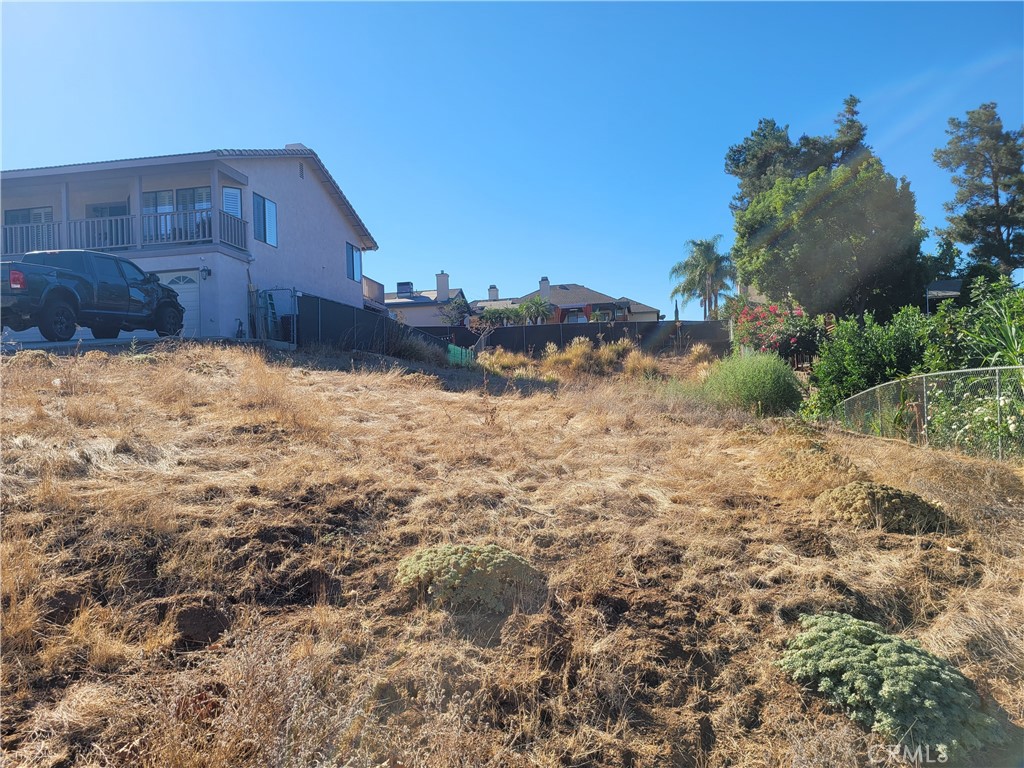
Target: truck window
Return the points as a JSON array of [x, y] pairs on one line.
[[106, 270], [61, 260], [133, 273]]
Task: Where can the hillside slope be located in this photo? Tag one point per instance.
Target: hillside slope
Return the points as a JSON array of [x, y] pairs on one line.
[[199, 560]]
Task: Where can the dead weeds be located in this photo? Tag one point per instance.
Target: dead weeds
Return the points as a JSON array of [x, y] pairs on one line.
[[200, 550]]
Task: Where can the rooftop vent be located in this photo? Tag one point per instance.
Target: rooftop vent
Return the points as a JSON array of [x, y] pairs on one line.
[[405, 289]]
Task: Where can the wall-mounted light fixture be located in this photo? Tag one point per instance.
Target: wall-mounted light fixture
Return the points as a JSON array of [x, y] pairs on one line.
[[205, 272]]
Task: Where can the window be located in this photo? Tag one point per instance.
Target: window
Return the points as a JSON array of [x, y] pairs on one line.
[[194, 199], [133, 273], [28, 216], [353, 263], [34, 233], [105, 210], [264, 219], [232, 201], [155, 227], [71, 260], [107, 271]]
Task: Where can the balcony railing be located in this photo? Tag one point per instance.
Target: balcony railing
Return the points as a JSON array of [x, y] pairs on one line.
[[22, 238], [232, 230], [177, 227], [101, 233], [373, 292], [113, 232]]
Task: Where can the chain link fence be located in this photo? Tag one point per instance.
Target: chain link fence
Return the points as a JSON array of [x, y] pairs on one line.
[[978, 411]]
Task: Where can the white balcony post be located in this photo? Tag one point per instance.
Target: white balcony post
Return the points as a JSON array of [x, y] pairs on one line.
[[214, 206], [64, 213], [137, 218]]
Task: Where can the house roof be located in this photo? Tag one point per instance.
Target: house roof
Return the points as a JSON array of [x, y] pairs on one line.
[[636, 306], [572, 295], [944, 289], [421, 298], [483, 304], [367, 242]]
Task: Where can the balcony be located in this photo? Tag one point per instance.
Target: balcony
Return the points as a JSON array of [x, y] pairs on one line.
[[373, 295], [120, 232]]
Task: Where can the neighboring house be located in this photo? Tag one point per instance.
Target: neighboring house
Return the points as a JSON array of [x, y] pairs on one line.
[[422, 309], [574, 303], [214, 225]]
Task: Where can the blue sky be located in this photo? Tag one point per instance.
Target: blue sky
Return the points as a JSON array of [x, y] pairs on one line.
[[506, 141]]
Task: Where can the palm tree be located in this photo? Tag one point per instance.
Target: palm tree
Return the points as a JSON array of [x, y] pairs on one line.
[[704, 274], [537, 309]]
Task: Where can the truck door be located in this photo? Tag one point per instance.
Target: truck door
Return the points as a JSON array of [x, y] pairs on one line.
[[142, 293], [111, 287]]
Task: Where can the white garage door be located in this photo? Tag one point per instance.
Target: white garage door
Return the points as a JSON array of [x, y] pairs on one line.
[[187, 285]]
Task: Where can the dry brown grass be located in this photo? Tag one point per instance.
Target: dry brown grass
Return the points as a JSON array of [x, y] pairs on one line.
[[200, 547]]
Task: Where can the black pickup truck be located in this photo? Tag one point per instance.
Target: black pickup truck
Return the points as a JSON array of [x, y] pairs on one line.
[[59, 290]]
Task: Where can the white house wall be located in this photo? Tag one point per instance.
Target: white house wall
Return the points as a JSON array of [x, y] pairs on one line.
[[311, 231]]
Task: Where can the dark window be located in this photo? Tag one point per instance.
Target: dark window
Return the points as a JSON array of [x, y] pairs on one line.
[[67, 260], [264, 219], [106, 270], [105, 210], [133, 273], [353, 263]]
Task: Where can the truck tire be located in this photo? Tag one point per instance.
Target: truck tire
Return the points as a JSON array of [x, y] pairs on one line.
[[169, 321], [58, 321], [108, 331]]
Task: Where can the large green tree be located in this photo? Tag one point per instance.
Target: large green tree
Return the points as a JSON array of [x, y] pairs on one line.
[[987, 211], [705, 274], [842, 241], [821, 222]]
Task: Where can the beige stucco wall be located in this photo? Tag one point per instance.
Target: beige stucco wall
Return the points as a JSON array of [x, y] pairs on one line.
[[420, 317], [311, 231]]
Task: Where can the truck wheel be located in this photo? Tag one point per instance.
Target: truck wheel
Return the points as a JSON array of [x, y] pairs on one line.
[[111, 331], [58, 322], [169, 321]]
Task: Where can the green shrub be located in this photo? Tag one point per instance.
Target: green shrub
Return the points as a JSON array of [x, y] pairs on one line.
[[467, 576], [871, 505], [889, 685], [859, 355], [760, 382]]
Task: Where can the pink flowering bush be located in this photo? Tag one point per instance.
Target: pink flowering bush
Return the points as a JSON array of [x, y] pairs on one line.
[[786, 331]]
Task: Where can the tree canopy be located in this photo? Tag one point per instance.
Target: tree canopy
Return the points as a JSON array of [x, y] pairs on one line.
[[987, 211], [704, 274], [822, 222]]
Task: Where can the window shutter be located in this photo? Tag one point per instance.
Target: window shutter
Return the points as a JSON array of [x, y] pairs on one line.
[[350, 268], [203, 198], [232, 201], [271, 222], [259, 216]]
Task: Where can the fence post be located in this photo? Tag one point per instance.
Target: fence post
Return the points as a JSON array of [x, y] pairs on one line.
[[999, 416], [924, 390]]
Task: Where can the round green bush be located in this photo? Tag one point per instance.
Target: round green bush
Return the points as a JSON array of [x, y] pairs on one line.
[[890, 685], [471, 576], [761, 382]]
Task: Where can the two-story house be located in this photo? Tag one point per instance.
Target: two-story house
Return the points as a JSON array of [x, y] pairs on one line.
[[216, 226]]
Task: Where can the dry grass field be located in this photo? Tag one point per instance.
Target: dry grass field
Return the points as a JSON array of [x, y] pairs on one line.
[[199, 555]]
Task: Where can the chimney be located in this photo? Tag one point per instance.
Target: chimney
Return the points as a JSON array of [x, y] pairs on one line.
[[545, 289], [442, 286], [492, 293]]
